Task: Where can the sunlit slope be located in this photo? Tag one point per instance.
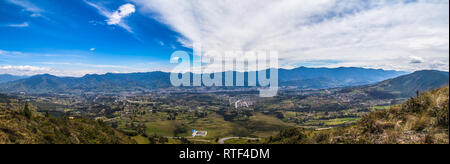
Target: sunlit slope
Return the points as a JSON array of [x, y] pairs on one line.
[[420, 120]]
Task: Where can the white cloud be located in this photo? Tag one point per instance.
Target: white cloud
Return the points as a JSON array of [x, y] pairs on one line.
[[10, 53], [28, 6], [67, 69], [123, 11], [25, 63], [81, 69], [373, 34], [92, 49], [115, 17], [416, 60], [23, 69], [24, 24]]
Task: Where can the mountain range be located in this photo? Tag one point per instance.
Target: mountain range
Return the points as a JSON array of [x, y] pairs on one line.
[[301, 78], [7, 78]]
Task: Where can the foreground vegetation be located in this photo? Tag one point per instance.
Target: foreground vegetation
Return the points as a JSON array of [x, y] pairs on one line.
[[420, 120], [26, 127]]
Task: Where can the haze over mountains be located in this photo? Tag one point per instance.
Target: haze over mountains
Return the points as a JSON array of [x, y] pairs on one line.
[[301, 78], [7, 78], [320, 78]]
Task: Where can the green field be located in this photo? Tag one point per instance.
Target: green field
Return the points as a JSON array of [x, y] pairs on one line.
[[377, 108], [261, 125], [330, 122], [243, 141], [339, 121], [258, 125]]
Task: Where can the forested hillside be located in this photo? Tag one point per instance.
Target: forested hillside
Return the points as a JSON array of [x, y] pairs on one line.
[[21, 125]]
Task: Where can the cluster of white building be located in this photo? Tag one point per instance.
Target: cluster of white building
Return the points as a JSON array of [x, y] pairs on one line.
[[196, 133]]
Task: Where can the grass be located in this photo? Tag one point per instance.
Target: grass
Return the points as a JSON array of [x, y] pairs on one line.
[[161, 128], [261, 125], [377, 108], [340, 121], [242, 141], [420, 120], [18, 128], [258, 125], [141, 140], [289, 114], [318, 123], [215, 125]]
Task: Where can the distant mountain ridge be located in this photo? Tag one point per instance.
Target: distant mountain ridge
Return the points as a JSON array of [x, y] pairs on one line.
[[302, 78], [7, 78], [43, 84], [322, 78]]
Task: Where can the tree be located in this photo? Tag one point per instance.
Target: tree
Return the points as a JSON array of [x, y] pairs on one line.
[[185, 141], [163, 140], [152, 140], [47, 114], [27, 111]]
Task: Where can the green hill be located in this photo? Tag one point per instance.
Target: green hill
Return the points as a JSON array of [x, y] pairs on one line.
[[20, 127], [407, 85], [420, 120]]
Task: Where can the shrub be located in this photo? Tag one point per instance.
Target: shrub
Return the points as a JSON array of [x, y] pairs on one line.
[[27, 112]]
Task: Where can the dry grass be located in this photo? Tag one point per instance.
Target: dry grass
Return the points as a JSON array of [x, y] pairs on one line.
[[421, 120]]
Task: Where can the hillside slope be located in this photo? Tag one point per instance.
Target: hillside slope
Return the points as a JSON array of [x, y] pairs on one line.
[[421, 120], [407, 85], [15, 128], [20, 127]]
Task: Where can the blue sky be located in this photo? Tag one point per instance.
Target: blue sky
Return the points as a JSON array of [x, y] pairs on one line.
[[78, 37], [72, 35]]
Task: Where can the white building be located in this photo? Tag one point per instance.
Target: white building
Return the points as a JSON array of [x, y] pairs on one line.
[[196, 133]]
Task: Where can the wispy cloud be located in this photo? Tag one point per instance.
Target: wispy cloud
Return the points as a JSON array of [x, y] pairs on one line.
[[15, 54], [28, 70], [375, 34], [10, 53], [115, 17], [23, 69], [68, 69], [81, 69], [28, 6], [24, 24], [88, 65]]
